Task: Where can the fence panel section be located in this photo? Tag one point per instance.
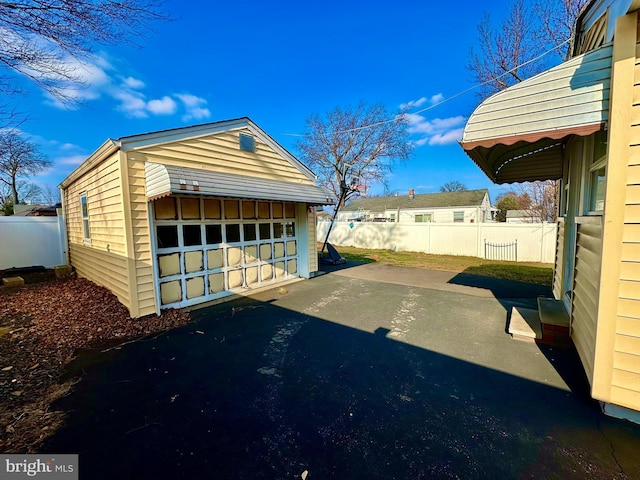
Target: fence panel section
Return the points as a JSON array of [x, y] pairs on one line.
[[32, 241], [536, 242]]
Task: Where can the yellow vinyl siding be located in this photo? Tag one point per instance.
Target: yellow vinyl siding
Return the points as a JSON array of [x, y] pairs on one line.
[[618, 362], [585, 288], [220, 152], [103, 268], [103, 259], [141, 239], [626, 377], [558, 271], [313, 242]]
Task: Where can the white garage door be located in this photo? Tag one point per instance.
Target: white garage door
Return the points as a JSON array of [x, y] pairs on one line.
[[206, 248]]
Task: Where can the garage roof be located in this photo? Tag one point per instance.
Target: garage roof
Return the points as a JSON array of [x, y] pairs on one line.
[[518, 134], [162, 180]]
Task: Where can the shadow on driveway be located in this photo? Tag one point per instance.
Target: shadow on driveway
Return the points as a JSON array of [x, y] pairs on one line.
[[327, 379]]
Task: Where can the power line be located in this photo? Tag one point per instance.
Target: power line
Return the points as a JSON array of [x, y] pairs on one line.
[[448, 99]]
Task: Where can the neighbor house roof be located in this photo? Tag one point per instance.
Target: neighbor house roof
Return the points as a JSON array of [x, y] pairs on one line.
[[469, 198], [518, 134]]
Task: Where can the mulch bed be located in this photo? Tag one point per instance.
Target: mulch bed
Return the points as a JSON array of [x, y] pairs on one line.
[[41, 326]]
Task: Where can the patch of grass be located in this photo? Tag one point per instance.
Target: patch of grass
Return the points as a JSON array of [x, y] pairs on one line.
[[538, 273]]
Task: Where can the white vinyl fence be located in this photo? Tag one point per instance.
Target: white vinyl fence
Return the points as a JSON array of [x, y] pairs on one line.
[[535, 242], [32, 241]]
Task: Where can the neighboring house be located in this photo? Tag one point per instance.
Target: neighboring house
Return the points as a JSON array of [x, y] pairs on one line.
[[184, 216], [36, 210], [449, 207], [521, 216], [578, 122]]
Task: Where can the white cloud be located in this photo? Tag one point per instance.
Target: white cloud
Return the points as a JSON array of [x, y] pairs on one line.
[[434, 99], [71, 160], [131, 103], [162, 106], [413, 103], [133, 83], [439, 131], [437, 98], [194, 106], [97, 77], [452, 136]]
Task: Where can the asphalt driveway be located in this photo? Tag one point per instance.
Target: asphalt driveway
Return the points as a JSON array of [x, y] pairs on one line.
[[370, 372]]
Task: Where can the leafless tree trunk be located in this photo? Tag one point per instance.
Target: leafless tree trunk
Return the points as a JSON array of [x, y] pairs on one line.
[[354, 145], [18, 159]]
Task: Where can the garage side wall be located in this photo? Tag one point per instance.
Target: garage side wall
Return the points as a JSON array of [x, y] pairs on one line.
[[101, 258], [141, 260]]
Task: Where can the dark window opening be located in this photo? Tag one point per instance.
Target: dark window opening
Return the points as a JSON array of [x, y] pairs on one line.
[[249, 232], [265, 231], [213, 233], [233, 233], [167, 236], [191, 235]]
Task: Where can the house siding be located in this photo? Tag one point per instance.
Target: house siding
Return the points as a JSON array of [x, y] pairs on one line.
[[220, 152], [617, 367], [141, 239], [312, 239], [104, 259], [585, 290], [558, 271]]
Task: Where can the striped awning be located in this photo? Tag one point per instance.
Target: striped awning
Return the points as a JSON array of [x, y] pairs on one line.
[[518, 134], [162, 180]]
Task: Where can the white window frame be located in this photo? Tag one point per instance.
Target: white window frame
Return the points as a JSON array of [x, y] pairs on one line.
[[592, 165], [84, 214], [425, 217], [459, 220]]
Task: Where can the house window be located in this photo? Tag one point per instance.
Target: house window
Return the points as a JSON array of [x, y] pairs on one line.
[[392, 217], [422, 218], [597, 174], [247, 143], [458, 217], [84, 209]]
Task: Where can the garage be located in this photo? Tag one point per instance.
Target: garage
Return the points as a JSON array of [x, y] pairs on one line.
[[179, 217]]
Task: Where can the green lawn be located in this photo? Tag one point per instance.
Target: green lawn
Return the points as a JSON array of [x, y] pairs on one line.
[[539, 273]]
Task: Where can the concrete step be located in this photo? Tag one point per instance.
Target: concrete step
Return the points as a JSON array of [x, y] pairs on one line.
[[548, 325], [525, 324]]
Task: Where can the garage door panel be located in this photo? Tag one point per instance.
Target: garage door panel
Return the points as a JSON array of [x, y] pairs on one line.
[[193, 261], [206, 247], [169, 264]]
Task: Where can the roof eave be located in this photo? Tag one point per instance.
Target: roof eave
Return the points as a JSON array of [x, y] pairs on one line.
[[107, 149]]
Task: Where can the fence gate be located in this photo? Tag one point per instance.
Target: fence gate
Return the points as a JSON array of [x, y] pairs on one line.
[[501, 251]]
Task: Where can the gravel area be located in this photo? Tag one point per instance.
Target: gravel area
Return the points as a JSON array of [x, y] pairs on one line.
[[41, 326]]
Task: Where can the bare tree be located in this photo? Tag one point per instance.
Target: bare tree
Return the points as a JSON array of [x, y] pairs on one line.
[[537, 200], [39, 38], [19, 159], [558, 19], [356, 145], [50, 195], [544, 197], [505, 54], [454, 186]]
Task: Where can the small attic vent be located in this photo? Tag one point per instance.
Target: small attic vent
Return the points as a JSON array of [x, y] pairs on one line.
[[247, 143]]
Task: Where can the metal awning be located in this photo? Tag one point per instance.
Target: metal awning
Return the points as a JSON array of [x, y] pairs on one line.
[[162, 180], [518, 134]]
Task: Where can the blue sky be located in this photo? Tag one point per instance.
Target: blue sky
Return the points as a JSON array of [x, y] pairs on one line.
[[278, 63]]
